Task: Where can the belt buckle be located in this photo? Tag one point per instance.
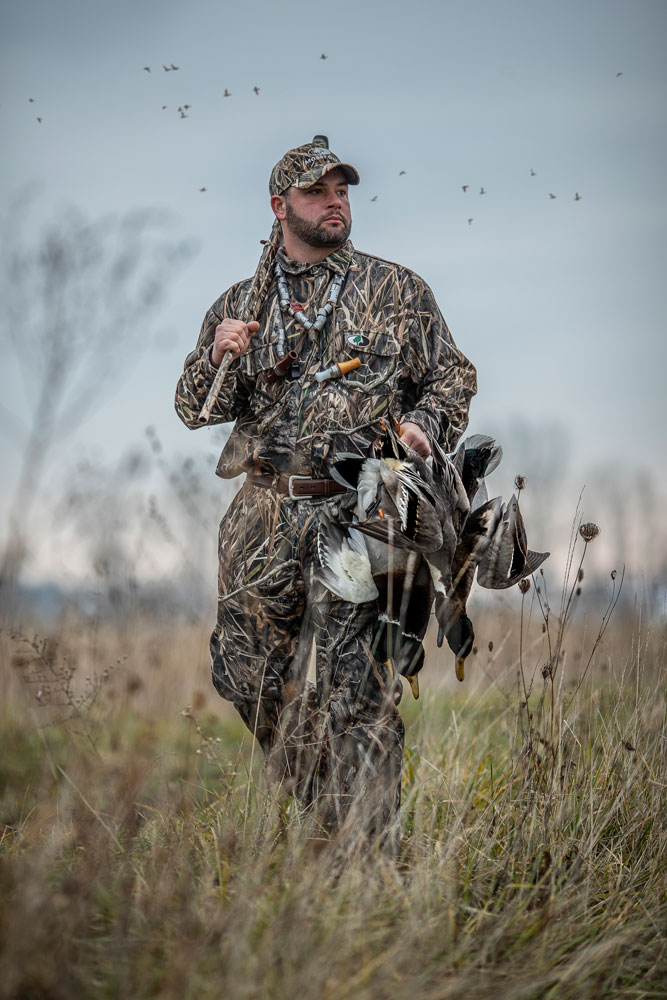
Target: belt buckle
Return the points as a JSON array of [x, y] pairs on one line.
[[291, 495]]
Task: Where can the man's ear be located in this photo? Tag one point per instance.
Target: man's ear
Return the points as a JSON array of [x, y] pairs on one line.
[[278, 204]]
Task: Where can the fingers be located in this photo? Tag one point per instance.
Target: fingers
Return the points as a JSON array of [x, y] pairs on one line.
[[414, 437], [232, 335]]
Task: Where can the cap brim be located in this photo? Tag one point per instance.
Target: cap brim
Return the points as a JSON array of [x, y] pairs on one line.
[[312, 176]]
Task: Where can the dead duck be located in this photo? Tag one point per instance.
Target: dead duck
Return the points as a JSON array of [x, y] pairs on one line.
[[507, 558], [358, 567], [421, 520]]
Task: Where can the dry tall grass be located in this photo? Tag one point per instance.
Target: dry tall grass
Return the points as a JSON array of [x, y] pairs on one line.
[[140, 858]]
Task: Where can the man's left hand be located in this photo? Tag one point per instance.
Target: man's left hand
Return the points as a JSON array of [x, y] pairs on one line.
[[414, 437]]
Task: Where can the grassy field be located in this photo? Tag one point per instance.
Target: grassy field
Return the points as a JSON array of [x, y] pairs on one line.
[[143, 855]]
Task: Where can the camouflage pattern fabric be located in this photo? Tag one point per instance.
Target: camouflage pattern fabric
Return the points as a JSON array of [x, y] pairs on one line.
[[386, 315], [339, 743], [332, 744], [302, 166]]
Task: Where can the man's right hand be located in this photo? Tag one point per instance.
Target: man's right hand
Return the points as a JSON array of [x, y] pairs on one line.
[[231, 335]]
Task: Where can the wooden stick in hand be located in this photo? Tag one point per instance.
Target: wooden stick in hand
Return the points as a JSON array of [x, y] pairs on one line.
[[257, 292]]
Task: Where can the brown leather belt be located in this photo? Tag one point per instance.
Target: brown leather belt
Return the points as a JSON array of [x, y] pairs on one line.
[[298, 487]]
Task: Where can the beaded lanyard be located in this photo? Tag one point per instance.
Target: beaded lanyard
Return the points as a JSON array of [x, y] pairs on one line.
[[298, 314]]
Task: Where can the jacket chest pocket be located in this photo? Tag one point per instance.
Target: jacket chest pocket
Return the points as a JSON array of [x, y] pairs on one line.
[[380, 357]]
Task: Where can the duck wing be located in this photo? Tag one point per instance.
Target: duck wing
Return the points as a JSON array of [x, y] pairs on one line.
[[415, 502], [345, 567], [387, 530], [507, 559]]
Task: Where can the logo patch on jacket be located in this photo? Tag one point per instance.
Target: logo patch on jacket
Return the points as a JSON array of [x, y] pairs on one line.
[[357, 340]]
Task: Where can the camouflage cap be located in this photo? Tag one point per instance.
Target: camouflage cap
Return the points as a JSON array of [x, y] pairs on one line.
[[302, 166]]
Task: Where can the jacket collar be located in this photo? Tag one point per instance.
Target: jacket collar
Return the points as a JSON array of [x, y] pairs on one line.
[[338, 261]]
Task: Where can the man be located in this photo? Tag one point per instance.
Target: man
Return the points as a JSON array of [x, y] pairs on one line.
[[336, 745]]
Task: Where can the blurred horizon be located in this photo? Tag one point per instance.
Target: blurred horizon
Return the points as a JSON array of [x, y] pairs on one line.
[[558, 302]]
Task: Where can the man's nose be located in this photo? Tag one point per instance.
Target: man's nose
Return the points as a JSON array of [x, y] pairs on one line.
[[335, 200]]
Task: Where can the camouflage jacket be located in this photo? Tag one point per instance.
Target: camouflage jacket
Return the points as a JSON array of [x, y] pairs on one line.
[[386, 315]]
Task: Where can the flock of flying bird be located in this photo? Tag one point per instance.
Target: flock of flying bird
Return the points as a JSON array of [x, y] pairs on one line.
[[183, 109], [418, 533]]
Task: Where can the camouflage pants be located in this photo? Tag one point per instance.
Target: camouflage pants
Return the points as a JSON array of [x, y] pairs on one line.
[[337, 745]]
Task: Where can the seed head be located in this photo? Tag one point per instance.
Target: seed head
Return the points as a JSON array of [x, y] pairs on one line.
[[524, 586], [580, 575], [520, 483], [613, 574], [589, 531], [490, 645]]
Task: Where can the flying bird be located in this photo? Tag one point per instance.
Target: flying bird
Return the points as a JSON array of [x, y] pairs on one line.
[[173, 67], [323, 56], [374, 198], [532, 173], [202, 189], [39, 120], [186, 107], [552, 196], [31, 100], [470, 221], [482, 191], [226, 93], [164, 107], [401, 172], [577, 196], [464, 187], [255, 90], [147, 68], [619, 74], [165, 68], [183, 114]]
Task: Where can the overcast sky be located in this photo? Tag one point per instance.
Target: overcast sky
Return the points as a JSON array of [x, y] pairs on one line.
[[559, 302]]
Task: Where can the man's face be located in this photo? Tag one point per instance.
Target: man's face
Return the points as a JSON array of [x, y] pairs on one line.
[[320, 215]]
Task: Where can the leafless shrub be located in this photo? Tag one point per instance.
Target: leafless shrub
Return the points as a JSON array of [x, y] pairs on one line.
[[78, 301]]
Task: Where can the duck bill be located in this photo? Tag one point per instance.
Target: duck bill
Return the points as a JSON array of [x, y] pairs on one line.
[[460, 668], [413, 681]]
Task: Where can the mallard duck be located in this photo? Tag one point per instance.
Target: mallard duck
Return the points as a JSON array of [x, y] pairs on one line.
[[493, 543], [507, 558], [450, 607], [405, 505], [358, 567], [427, 528]]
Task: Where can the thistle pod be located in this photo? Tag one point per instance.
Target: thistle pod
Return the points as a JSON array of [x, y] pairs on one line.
[[524, 586], [520, 482], [589, 531]]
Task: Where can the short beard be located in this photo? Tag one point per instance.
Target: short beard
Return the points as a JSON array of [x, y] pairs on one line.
[[315, 235]]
